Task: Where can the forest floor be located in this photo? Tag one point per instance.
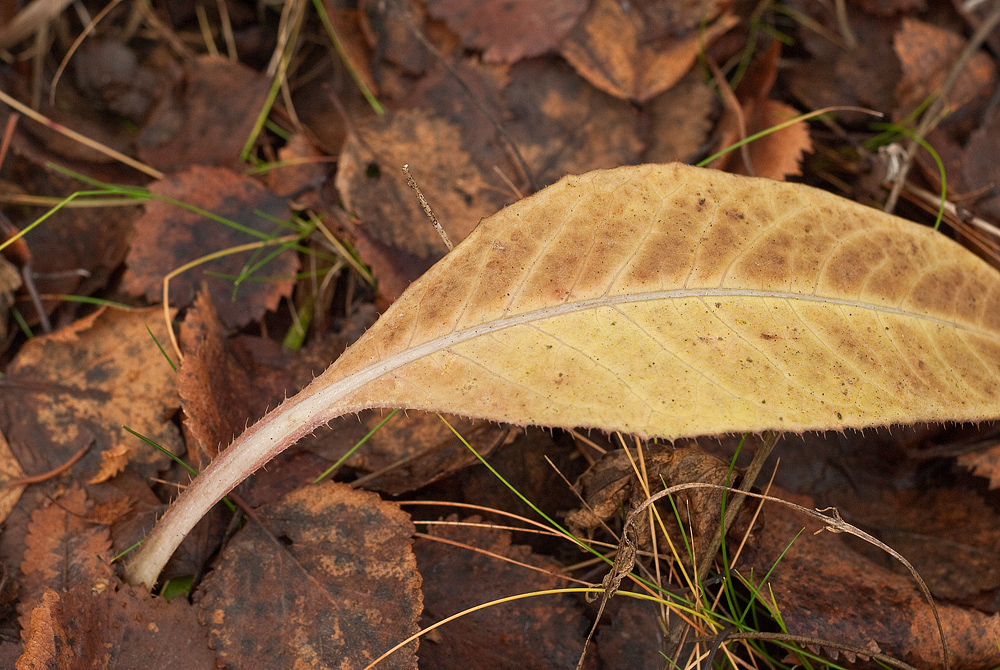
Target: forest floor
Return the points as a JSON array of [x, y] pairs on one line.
[[245, 159]]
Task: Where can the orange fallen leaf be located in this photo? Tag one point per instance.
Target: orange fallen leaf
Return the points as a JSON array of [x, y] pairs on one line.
[[777, 154]]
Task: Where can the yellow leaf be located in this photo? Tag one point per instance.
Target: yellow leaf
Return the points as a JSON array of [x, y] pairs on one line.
[[667, 301]]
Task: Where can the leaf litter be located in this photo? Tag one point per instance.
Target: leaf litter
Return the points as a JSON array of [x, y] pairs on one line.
[[567, 105]]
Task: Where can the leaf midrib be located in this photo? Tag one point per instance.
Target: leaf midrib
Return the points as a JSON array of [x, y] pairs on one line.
[[359, 379]]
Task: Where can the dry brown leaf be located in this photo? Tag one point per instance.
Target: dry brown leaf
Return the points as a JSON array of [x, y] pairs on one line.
[[113, 629], [952, 536], [83, 383], [663, 300], [390, 27], [63, 549], [301, 168], [631, 636], [564, 126], [890, 7], [529, 634], [679, 121], [509, 30], [927, 54], [608, 49], [981, 165], [227, 383], [210, 122], [168, 236], [370, 179], [339, 588], [984, 464], [611, 485], [824, 589], [354, 51], [777, 154], [10, 469], [865, 76], [78, 251]]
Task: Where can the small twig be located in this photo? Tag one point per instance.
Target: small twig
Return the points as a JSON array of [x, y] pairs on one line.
[[624, 562], [933, 114], [82, 139], [38, 479], [844, 24], [8, 133], [716, 644], [28, 279], [427, 208], [960, 213]]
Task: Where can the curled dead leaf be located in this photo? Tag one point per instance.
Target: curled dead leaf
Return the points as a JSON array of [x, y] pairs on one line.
[[662, 300]]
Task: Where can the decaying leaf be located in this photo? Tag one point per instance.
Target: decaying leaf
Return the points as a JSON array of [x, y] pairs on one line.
[[63, 549], [113, 629], [564, 126], [113, 461], [209, 124], [777, 154], [336, 589], [535, 633], [83, 383], [226, 383], [984, 463], [680, 120], [509, 31], [662, 300], [610, 48], [951, 535], [10, 470], [927, 53], [611, 487], [824, 589], [168, 237], [374, 189]]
